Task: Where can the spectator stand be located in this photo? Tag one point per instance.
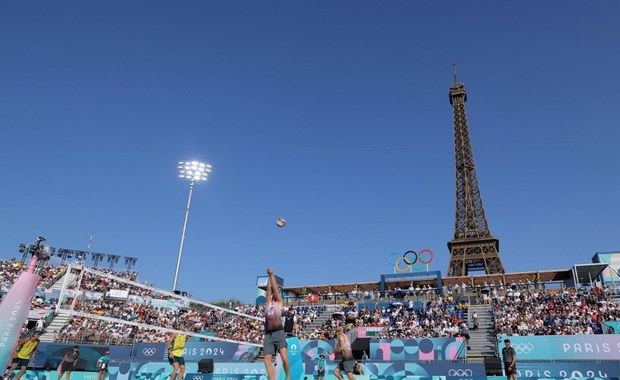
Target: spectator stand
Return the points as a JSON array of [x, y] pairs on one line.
[[232, 323]]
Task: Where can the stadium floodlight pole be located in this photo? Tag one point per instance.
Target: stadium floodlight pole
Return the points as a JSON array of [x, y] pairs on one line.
[[194, 171]]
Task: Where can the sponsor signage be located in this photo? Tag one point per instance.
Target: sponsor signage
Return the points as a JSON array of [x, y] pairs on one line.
[[370, 331], [118, 293], [38, 313]]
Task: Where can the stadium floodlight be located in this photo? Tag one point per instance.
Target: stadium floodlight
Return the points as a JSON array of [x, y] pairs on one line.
[[112, 259], [194, 171], [97, 257], [80, 255], [64, 254], [129, 261]]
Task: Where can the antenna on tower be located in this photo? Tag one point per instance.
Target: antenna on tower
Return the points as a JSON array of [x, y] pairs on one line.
[[454, 68]]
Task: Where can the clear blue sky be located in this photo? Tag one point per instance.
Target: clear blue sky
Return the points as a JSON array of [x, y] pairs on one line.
[[331, 114]]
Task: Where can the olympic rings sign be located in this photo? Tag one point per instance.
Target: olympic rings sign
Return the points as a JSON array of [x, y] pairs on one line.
[[408, 260], [460, 372], [523, 348], [149, 351]]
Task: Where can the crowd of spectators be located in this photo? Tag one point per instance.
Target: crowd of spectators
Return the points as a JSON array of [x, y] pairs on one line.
[[223, 324], [563, 312], [11, 269], [519, 309], [438, 317], [88, 330]]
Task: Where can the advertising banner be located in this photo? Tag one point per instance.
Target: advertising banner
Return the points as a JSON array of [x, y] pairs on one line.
[[369, 332], [35, 314], [296, 366], [206, 376], [93, 295], [403, 369], [564, 347], [88, 355], [14, 312], [118, 293], [236, 369], [149, 351], [133, 298], [601, 369], [195, 351], [418, 349], [220, 351], [311, 349], [611, 327]]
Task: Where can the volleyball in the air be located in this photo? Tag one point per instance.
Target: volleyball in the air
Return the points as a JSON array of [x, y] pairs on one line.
[[280, 222]]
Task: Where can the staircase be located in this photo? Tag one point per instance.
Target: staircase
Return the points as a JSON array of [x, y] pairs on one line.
[[71, 277], [322, 318], [55, 325], [482, 341]]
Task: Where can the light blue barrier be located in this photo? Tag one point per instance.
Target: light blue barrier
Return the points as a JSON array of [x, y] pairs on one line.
[[564, 347]]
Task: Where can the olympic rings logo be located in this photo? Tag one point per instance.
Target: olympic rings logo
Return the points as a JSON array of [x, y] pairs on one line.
[[408, 260], [149, 351], [523, 348], [460, 372], [197, 377]]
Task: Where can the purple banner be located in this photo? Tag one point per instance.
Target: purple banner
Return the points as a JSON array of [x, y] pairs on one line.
[[426, 349]]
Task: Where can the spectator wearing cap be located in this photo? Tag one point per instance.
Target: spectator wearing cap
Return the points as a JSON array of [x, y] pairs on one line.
[[321, 365], [102, 365]]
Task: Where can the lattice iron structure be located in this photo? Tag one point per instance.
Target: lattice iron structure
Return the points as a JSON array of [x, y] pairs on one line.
[[473, 247]]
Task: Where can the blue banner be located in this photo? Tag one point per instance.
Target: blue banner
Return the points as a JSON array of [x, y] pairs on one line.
[[206, 376], [564, 347], [402, 369], [295, 360], [381, 371], [89, 354], [604, 369], [194, 351], [46, 351], [149, 351], [611, 327], [311, 349], [220, 351]]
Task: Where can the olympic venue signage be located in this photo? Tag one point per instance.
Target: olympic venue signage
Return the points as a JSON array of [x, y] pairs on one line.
[[611, 327], [564, 347], [427, 349], [194, 351]]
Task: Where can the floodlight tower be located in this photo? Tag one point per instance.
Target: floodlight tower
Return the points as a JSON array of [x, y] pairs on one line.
[[97, 257], [194, 171], [129, 261], [113, 259]]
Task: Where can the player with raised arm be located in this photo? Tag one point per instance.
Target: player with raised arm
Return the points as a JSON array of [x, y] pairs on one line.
[[275, 340]]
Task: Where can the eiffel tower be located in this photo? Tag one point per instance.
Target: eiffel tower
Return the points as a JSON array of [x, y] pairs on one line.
[[473, 247]]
